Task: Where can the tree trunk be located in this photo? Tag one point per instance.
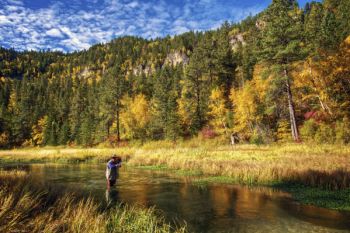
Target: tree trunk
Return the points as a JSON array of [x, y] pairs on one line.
[[293, 123], [107, 127], [118, 123], [198, 107], [233, 142]]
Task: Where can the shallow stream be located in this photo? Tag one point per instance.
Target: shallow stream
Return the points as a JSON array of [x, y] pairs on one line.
[[208, 208]]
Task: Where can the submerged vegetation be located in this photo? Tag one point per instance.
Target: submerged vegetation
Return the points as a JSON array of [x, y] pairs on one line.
[[28, 206], [332, 199]]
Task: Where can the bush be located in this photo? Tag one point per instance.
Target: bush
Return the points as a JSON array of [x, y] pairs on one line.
[[342, 131], [283, 131], [325, 134], [308, 130], [257, 138], [208, 133]]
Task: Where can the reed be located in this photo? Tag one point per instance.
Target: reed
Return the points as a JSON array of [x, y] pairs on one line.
[[27, 206]]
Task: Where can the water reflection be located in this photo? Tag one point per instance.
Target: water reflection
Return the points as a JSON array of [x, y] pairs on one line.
[[112, 197], [212, 208]]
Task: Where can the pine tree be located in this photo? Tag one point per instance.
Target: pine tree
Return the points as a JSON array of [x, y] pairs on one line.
[[344, 19], [166, 94], [111, 92], [224, 63], [330, 31], [312, 27], [281, 42], [196, 89]]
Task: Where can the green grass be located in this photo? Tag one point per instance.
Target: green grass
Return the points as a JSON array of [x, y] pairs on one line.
[[215, 179], [337, 199]]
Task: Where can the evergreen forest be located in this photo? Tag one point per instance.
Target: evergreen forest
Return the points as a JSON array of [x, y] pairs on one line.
[[280, 76]]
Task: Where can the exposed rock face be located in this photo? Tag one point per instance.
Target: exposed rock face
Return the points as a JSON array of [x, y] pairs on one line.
[[86, 73], [142, 69], [260, 24], [236, 40], [172, 59], [175, 58]]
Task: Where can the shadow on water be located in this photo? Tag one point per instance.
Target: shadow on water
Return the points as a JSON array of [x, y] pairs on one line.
[[112, 197], [319, 216], [212, 208]]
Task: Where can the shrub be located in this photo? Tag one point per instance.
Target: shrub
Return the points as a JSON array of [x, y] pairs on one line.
[[342, 131], [325, 134], [208, 133], [283, 131], [257, 138], [308, 130]]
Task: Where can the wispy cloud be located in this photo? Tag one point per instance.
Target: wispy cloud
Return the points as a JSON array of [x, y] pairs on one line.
[[76, 25]]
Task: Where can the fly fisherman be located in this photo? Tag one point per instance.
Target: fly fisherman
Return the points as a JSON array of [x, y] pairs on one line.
[[112, 168]]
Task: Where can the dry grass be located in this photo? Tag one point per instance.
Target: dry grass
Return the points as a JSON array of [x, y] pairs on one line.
[[64, 155], [326, 166], [26, 206]]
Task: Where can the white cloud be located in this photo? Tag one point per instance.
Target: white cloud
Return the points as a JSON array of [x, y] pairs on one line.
[[4, 20], [74, 26], [54, 32], [14, 2]]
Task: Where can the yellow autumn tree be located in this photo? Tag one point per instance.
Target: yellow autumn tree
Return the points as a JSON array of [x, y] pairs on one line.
[[246, 100], [336, 71], [4, 140], [135, 116], [245, 108], [311, 84], [218, 111], [326, 82], [38, 131]]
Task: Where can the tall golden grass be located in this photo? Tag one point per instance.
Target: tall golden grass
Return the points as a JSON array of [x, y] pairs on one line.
[[63, 155], [326, 166], [27, 206]]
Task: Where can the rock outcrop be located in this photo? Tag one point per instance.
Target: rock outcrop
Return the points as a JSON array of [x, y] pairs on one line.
[[176, 58]]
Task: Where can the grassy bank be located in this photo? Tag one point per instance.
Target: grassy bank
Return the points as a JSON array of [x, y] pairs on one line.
[[318, 167], [28, 206], [324, 166], [62, 155]]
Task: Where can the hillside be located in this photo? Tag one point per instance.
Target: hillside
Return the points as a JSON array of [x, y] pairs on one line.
[[279, 76]]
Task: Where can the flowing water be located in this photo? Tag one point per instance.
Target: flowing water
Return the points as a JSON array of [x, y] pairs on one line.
[[209, 208]]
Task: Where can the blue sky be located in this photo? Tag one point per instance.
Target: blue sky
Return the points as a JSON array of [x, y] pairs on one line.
[[69, 25]]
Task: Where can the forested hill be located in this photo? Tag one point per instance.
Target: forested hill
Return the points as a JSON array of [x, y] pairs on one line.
[[279, 76]]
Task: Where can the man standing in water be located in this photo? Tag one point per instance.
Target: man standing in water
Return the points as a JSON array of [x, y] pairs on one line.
[[112, 168]]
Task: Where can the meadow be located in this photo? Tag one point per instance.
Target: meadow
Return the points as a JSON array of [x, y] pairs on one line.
[[326, 166], [299, 168]]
